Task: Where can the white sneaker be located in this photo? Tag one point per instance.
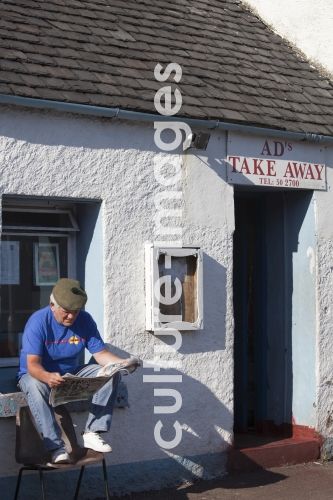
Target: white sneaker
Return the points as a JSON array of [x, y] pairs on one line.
[[94, 441], [60, 456]]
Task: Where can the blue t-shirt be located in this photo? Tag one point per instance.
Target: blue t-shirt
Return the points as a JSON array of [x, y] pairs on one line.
[[58, 346]]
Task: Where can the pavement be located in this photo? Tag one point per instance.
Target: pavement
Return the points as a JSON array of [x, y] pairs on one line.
[[313, 481]]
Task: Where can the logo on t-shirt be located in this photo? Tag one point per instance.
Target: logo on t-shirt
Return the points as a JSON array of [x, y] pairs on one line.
[[74, 340]]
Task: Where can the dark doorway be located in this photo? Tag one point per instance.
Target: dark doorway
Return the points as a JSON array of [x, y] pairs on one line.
[[267, 225]]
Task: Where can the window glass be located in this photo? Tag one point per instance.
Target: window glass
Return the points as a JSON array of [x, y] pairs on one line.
[[12, 218], [30, 265]]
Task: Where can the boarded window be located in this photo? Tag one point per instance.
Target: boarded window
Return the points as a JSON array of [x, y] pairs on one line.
[[174, 288]]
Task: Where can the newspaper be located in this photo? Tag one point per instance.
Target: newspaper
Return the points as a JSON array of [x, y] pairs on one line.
[[75, 388]]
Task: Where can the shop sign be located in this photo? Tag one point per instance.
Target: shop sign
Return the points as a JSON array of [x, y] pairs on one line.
[[276, 163]]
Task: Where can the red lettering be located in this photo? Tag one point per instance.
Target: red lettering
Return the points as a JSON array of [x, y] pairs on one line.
[[271, 168], [257, 170], [234, 160], [319, 169], [304, 171], [245, 167], [300, 169], [289, 171], [309, 173]]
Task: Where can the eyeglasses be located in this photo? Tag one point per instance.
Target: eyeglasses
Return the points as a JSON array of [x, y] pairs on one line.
[[67, 313]]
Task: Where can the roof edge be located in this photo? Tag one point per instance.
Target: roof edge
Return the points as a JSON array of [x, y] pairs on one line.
[[125, 114]]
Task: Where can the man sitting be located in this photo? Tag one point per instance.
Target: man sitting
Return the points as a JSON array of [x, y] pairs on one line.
[[53, 340]]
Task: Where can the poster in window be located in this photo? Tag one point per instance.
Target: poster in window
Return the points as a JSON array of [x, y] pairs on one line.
[[9, 263], [46, 263]]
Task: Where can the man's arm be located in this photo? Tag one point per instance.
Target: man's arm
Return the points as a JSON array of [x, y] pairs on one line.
[[36, 370], [104, 357]]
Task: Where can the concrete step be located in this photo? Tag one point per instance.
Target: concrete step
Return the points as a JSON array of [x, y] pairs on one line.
[[274, 453]]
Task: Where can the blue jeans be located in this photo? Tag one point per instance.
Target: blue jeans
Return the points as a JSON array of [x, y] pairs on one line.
[[100, 407]]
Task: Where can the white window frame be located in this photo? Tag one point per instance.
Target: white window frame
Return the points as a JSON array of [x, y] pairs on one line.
[[152, 255]]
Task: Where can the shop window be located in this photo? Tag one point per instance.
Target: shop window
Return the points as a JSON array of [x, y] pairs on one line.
[[173, 288], [34, 254]]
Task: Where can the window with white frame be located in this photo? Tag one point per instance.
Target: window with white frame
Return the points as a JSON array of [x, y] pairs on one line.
[[174, 289]]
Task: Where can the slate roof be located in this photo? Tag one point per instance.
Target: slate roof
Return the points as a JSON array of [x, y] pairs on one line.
[[103, 53]]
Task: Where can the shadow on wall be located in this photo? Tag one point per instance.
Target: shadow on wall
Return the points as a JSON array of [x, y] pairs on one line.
[[206, 424], [212, 337], [58, 129], [202, 453]]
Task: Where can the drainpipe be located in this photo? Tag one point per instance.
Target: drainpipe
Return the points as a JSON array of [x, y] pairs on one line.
[[123, 114]]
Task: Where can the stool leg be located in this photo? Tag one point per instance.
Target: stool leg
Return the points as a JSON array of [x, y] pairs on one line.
[[106, 484], [41, 478], [18, 482], [79, 483]]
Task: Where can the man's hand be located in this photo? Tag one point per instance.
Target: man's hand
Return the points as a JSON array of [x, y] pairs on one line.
[[125, 361], [105, 357], [54, 379], [36, 369]]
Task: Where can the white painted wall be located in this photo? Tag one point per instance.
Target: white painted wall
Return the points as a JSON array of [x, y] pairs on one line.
[[49, 154], [325, 312], [307, 24]]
